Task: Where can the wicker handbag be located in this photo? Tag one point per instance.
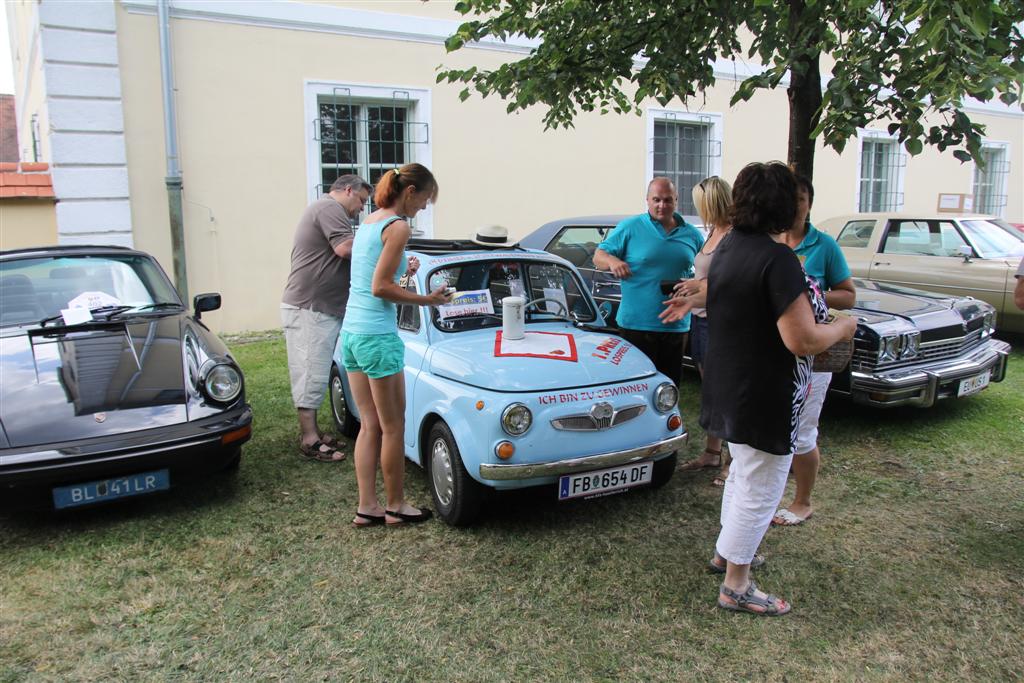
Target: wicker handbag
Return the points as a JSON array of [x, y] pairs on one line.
[[836, 357]]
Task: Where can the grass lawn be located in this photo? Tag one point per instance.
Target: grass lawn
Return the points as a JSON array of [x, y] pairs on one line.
[[910, 569]]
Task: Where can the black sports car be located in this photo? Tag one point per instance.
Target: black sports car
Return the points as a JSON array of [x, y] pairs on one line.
[[912, 347], [110, 387]]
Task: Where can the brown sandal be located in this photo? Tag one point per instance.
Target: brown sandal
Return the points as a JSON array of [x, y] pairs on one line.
[[313, 452], [697, 465]]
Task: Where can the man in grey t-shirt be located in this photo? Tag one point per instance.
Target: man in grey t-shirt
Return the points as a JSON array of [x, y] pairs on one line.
[[314, 301]]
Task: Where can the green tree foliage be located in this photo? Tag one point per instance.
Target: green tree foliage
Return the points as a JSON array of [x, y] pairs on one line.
[[895, 60]]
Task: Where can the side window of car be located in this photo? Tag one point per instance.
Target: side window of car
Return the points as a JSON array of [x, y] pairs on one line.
[[409, 314], [577, 244], [923, 238], [856, 234]]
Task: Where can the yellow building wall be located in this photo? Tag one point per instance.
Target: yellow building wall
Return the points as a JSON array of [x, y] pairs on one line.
[[29, 81], [243, 148], [27, 223]]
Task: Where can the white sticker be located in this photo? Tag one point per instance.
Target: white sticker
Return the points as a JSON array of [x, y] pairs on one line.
[[471, 302], [76, 316], [93, 300]]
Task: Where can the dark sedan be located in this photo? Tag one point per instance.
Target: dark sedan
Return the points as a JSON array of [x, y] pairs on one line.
[[912, 347], [111, 389]]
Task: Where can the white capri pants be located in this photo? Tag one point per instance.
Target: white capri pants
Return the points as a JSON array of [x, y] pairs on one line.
[[807, 429], [752, 493]]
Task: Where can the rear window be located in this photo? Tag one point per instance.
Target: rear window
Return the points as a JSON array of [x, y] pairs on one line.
[[856, 234]]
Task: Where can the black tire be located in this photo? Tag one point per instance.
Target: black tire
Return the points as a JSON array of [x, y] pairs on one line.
[[457, 496], [345, 421], [663, 470]]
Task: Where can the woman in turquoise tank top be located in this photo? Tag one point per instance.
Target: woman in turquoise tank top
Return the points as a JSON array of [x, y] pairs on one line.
[[373, 353]]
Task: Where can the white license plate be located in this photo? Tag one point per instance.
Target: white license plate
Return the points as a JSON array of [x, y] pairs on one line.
[[973, 385], [605, 481]]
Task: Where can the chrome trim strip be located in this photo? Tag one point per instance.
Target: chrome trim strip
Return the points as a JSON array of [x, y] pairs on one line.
[[504, 472]]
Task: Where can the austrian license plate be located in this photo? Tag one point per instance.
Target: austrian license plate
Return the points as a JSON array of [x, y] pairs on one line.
[[605, 481], [109, 489], [973, 385]]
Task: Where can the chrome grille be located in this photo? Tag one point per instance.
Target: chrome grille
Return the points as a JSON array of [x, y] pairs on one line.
[[864, 359], [585, 422]]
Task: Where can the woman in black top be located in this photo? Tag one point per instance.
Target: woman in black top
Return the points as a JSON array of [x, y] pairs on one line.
[[762, 336]]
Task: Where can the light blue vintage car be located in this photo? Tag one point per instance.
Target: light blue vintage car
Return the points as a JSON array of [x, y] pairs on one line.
[[569, 403]]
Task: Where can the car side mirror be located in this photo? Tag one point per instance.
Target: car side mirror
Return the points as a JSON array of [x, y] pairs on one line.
[[209, 301], [605, 307], [966, 252]]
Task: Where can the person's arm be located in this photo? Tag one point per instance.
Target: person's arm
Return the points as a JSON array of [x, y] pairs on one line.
[[343, 249], [842, 295], [803, 336], [383, 284], [1018, 293], [605, 261]]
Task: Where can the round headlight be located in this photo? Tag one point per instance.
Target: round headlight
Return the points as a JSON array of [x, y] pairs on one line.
[[223, 383], [666, 397], [516, 419]]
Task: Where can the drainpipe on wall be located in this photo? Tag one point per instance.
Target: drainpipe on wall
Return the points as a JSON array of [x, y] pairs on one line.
[[173, 178]]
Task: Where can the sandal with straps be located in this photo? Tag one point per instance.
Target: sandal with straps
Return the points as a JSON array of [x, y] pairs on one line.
[[313, 452], [697, 465], [716, 568], [748, 601], [370, 520]]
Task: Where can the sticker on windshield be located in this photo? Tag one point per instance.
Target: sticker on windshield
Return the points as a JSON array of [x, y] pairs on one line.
[[93, 300], [472, 302]]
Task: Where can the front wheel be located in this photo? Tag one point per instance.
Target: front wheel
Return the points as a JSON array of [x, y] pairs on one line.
[[345, 421], [663, 471], [457, 496]]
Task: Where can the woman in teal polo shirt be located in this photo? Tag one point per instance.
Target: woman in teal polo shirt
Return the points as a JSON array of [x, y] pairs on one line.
[[372, 352], [824, 261]]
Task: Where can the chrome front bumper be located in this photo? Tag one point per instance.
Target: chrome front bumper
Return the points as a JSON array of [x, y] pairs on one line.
[[510, 472], [923, 386]]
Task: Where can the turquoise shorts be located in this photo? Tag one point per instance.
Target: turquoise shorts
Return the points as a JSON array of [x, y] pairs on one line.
[[374, 355]]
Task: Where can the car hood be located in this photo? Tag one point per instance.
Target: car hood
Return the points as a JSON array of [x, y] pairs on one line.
[[550, 357], [62, 386], [878, 302]]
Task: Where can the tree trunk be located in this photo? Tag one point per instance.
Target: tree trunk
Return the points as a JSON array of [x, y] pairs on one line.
[[804, 86]]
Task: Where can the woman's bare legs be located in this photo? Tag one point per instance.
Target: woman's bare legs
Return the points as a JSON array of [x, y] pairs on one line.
[[389, 398], [368, 443]]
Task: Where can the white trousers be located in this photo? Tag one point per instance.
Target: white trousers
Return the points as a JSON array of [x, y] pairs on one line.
[[752, 493]]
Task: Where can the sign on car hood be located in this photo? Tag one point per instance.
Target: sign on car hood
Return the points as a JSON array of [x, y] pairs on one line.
[[78, 385], [550, 357]]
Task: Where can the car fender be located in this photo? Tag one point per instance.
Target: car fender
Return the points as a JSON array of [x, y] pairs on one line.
[[436, 399]]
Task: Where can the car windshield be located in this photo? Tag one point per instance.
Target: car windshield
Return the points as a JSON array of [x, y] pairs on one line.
[[553, 290], [993, 238], [34, 289]]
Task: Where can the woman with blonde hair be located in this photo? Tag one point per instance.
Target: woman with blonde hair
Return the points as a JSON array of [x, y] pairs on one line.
[[372, 352], [713, 199]]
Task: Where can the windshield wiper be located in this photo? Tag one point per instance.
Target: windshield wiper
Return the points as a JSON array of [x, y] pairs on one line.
[[157, 306], [108, 310]]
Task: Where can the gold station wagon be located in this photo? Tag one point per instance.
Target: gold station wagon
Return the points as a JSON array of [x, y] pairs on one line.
[[959, 255]]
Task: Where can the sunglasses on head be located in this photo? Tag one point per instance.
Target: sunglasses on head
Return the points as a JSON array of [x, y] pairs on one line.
[[701, 184]]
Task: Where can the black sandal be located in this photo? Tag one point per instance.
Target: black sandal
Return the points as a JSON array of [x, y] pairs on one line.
[[421, 516], [371, 520]]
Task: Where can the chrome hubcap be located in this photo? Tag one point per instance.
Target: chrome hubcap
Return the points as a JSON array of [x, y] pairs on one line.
[[338, 400], [441, 472]]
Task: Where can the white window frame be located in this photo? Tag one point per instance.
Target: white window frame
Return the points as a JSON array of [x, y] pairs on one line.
[[901, 170], [419, 110], [715, 121], [1002, 191]]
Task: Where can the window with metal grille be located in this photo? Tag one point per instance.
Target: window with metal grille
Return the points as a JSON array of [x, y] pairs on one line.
[[685, 152], [990, 181], [881, 162], [365, 137]]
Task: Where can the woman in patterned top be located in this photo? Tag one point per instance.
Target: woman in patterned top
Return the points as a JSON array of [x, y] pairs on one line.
[[763, 333]]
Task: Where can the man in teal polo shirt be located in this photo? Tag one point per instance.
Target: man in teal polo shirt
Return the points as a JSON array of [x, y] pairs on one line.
[[643, 251]]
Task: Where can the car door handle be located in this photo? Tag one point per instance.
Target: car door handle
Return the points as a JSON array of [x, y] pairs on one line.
[[881, 263]]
